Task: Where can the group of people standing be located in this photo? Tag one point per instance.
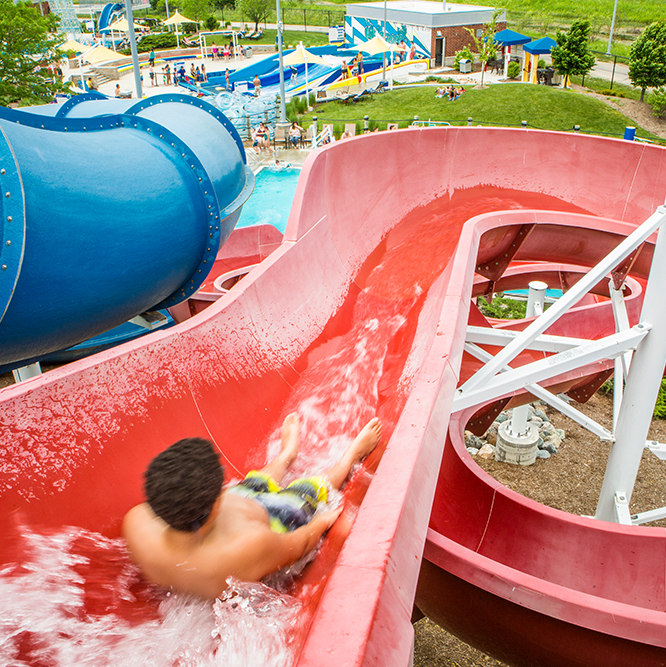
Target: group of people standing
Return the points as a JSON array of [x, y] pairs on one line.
[[225, 51]]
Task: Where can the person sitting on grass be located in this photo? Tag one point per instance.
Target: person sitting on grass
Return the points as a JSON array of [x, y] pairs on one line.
[[191, 535], [457, 93]]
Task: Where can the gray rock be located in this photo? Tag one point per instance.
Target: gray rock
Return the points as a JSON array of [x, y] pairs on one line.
[[543, 454], [502, 417], [554, 440], [560, 433], [473, 451], [549, 447], [547, 428], [536, 421], [542, 415], [474, 441]]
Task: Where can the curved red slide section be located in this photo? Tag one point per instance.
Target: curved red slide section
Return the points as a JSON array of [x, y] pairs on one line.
[[362, 310]]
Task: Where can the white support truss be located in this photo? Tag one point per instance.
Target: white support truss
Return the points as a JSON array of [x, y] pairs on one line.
[[551, 399], [567, 300], [640, 359], [544, 369]]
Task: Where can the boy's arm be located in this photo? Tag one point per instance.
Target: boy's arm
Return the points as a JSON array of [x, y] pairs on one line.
[[273, 551]]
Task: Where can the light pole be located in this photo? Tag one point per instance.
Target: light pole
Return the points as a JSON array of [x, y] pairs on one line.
[[135, 53], [384, 55], [283, 107], [610, 37]]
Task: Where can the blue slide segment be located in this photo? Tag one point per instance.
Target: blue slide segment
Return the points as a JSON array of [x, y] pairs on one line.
[[109, 11], [110, 208]]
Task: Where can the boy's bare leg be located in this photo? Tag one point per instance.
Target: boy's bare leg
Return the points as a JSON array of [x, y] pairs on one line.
[[367, 439], [279, 465]]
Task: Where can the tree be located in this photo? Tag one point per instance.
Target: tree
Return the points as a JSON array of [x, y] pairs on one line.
[[486, 46], [28, 46], [197, 9], [572, 54], [211, 23], [647, 67], [256, 10], [223, 4], [657, 100]]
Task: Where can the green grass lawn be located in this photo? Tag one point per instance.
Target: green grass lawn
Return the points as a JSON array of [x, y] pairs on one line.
[[501, 105]]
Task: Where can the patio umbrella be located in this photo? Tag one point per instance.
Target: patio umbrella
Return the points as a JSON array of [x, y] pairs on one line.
[[379, 45], [176, 20], [299, 56], [72, 45], [121, 25]]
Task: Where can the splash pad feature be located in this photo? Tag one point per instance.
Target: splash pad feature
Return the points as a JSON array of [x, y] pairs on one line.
[[364, 309]]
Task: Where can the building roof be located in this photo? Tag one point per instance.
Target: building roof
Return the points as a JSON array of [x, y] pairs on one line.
[[423, 13]]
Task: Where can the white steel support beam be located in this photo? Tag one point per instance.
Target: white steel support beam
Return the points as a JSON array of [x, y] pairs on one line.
[[647, 517], [622, 363], [622, 514], [554, 401], [544, 369], [640, 392], [535, 300], [597, 273], [502, 337]]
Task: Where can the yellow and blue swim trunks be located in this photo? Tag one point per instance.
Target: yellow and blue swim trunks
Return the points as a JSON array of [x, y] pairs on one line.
[[288, 508]]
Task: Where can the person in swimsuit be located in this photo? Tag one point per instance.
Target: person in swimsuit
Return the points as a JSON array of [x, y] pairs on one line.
[[192, 535]]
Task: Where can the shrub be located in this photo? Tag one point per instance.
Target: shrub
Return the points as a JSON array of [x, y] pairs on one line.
[[211, 23], [503, 308], [657, 100], [514, 70], [160, 40], [612, 93], [465, 52], [542, 63]]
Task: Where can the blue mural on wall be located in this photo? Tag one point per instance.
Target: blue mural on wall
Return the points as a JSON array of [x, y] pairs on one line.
[[359, 30]]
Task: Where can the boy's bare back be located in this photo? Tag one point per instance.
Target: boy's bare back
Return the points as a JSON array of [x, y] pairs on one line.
[[236, 538]]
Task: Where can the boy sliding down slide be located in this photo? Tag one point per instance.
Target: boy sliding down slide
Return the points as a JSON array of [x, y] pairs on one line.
[[191, 535]]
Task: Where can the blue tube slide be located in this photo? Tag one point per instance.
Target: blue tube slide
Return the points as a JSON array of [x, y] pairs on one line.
[[109, 208], [108, 12]]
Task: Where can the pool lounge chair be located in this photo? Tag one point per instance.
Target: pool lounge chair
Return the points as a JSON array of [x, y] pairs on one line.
[[280, 136]]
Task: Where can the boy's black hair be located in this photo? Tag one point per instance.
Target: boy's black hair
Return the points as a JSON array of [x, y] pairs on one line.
[[183, 482]]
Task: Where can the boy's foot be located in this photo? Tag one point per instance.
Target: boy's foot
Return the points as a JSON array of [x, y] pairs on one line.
[[290, 437], [367, 439]]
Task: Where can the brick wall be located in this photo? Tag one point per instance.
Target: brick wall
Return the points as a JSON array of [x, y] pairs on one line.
[[457, 38]]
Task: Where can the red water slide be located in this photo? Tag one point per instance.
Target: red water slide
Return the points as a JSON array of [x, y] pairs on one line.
[[361, 310]]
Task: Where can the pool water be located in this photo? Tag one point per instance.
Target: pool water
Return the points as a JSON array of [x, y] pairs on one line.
[[271, 199]]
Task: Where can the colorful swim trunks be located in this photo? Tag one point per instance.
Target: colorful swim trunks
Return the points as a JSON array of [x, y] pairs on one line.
[[288, 508]]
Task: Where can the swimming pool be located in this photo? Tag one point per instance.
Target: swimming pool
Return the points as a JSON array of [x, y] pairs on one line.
[[272, 198]]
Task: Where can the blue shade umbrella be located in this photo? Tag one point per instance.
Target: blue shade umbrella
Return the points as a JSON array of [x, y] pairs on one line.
[[540, 46], [508, 37]]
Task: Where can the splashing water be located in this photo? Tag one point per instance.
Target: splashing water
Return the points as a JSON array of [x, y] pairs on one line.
[[77, 600]]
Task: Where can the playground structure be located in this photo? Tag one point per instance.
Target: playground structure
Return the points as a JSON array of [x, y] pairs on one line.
[[372, 291], [163, 221]]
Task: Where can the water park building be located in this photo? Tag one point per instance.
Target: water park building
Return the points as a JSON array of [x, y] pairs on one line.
[[436, 28]]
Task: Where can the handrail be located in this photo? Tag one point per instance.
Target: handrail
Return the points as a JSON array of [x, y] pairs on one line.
[[430, 123]]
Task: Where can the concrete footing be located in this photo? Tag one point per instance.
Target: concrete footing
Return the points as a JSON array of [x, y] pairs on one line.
[[520, 450]]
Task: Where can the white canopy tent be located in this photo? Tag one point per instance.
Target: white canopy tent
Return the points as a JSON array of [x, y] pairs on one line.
[[299, 56], [176, 20], [379, 45]]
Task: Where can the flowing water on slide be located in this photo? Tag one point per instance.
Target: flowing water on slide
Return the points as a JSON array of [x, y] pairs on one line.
[[73, 598]]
